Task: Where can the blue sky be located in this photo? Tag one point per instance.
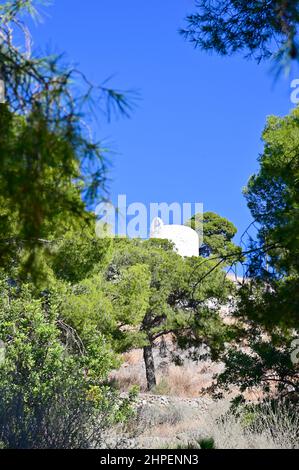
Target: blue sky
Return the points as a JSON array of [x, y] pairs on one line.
[[195, 134]]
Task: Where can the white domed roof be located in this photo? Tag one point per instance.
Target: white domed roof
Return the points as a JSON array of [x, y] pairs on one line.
[[185, 239]]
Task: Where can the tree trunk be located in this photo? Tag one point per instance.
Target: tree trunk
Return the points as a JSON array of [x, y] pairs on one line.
[[2, 88], [149, 367]]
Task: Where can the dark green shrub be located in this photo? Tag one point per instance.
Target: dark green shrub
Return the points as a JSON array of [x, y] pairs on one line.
[[207, 443], [50, 392]]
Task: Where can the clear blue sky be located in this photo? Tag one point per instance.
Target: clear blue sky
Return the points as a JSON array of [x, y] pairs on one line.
[[195, 135]]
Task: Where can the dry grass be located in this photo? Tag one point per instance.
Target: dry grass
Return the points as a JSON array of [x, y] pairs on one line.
[[256, 428], [131, 372], [263, 428], [157, 426], [182, 381], [186, 381], [133, 358], [126, 378], [179, 425], [150, 418]]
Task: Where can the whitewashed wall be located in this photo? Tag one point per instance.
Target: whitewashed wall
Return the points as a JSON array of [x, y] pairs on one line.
[[185, 239]]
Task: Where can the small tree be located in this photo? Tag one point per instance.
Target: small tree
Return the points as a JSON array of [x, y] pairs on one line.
[[218, 233], [179, 295], [269, 299], [144, 292]]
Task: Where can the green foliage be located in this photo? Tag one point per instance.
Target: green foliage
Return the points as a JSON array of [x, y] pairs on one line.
[[266, 366], [218, 233], [39, 199], [207, 443], [183, 298], [97, 306], [80, 254], [273, 198], [51, 167], [268, 301], [175, 285], [141, 291], [132, 292], [187, 446], [52, 392], [261, 30]]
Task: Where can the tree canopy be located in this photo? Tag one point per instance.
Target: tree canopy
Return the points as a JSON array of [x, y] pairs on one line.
[[218, 233], [178, 295], [52, 381], [72, 303], [273, 198], [52, 169], [268, 301], [259, 29]]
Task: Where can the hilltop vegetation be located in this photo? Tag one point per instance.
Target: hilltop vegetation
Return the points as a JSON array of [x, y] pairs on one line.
[[72, 304]]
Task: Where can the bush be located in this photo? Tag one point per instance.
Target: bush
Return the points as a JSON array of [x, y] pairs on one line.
[[267, 425], [50, 395], [207, 443], [277, 419], [64, 419]]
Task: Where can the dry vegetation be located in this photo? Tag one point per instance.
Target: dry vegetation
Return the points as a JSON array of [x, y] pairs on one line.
[[182, 426], [186, 380], [185, 418], [265, 428]]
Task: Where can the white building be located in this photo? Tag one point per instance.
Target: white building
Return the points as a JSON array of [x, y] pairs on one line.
[[185, 239]]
